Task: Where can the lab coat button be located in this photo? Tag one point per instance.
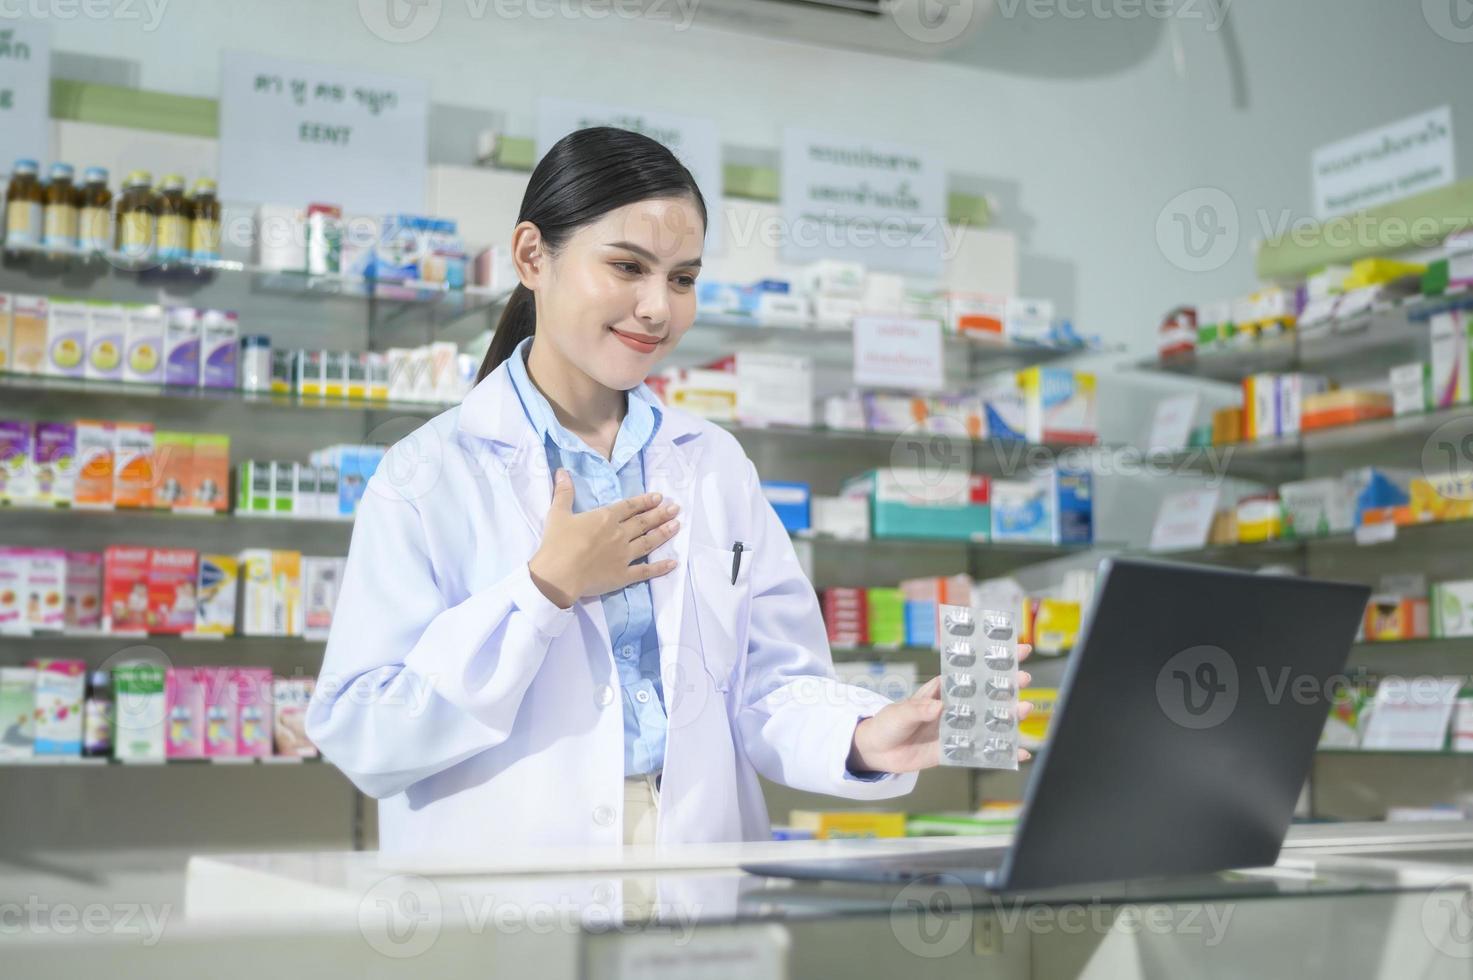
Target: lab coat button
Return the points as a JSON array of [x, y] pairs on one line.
[[603, 815], [604, 695], [642, 697], [628, 652]]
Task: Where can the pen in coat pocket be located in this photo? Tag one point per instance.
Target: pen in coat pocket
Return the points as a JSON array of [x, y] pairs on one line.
[[736, 560]]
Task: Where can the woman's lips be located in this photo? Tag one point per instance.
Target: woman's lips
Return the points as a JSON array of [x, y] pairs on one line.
[[636, 342]]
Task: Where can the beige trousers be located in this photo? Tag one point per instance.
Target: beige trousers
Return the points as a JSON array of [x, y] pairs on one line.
[[641, 808]]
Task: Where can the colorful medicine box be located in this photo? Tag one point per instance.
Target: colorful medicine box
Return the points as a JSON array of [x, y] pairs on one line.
[[1059, 406], [790, 502]]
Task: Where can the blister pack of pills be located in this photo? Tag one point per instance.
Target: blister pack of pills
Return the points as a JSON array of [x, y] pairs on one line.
[[979, 689]]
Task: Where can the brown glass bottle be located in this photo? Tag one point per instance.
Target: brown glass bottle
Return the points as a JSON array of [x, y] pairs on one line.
[[173, 226], [60, 203], [204, 225], [94, 225], [24, 202], [137, 215]]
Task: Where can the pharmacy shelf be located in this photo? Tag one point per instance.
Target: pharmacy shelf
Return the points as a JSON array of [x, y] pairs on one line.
[[86, 762], [1258, 456], [33, 384], [1023, 549], [73, 268], [140, 518], [1370, 341], [1435, 534], [1397, 753]]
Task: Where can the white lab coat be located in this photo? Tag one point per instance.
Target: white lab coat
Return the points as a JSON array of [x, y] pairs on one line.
[[483, 716]]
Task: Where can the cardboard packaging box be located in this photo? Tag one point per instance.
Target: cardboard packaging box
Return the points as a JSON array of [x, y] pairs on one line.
[[291, 696], [1059, 406], [907, 502], [66, 339], [219, 581], [61, 686], [141, 706], [184, 700], [17, 713], [143, 344], [83, 591], [134, 477], [107, 329], [125, 589], [54, 458], [30, 316], [96, 463], [172, 602]]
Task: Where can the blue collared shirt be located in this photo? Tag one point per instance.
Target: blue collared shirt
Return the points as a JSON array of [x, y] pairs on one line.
[[598, 482]]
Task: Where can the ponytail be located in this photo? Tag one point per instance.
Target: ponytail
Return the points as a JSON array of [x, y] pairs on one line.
[[582, 177], [518, 322]]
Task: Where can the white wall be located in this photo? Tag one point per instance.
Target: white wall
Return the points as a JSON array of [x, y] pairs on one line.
[[1083, 146]]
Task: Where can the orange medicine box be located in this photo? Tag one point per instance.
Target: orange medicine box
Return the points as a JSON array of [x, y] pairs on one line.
[[209, 485], [133, 462], [95, 460], [173, 462], [171, 589], [1394, 617]]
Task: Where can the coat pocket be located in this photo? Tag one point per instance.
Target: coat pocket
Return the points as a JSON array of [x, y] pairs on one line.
[[723, 608]]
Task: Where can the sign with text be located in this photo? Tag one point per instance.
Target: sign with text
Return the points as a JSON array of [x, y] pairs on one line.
[[1171, 428], [1395, 161], [693, 139], [295, 133], [897, 353], [882, 204], [1184, 520], [25, 92]]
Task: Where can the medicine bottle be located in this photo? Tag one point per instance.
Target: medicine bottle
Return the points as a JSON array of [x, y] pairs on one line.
[[60, 218], [23, 205]]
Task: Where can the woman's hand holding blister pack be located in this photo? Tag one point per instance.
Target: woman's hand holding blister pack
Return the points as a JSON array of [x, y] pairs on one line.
[[594, 552], [905, 736]]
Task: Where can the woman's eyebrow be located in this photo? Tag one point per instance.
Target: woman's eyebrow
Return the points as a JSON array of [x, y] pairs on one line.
[[649, 256]]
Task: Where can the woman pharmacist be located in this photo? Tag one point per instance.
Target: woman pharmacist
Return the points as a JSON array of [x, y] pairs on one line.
[[568, 609]]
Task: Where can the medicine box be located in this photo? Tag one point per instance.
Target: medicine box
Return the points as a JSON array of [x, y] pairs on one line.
[[1059, 406], [17, 476], [143, 344], [1023, 510], [125, 589], [17, 713], [13, 571], [54, 457], [6, 310], [844, 518], [254, 711], [219, 579], [133, 459], [1318, 507], [919, 503], [219, 340], [140, 706], [61, 686], [209, 474], [66, 339], [1410, 388], [790, 502], [184, 701], [172, 574], [1450, 363], [106, 337], [173, 463], [45, 589], [321, 580], [291, 696], [28, 334], [1005, 407], [181, 347], [1452, 608], [221, 716], [83, 591]]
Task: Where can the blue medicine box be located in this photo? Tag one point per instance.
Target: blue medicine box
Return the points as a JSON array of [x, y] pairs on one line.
[[791, 502]]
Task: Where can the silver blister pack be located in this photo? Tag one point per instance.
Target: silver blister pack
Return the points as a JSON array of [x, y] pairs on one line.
[[979, 689]]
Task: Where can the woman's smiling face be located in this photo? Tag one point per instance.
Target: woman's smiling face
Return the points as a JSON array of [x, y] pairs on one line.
[[621, 292]]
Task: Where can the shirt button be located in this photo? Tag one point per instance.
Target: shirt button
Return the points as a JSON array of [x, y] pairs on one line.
[[628, 652], [604, 695], [642, 696], [603, 815]]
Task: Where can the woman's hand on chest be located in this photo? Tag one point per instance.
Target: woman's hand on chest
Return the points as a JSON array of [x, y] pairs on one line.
[[592, 553]]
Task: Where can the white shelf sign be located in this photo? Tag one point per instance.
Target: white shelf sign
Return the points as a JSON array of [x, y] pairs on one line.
[[296, 133], [694, 140], [25, 92], [1184, 520], [1171, 429], [897, 353], [1405, 158], [848, 197]]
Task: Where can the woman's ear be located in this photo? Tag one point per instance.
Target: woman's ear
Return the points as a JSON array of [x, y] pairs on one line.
[[528, 254]]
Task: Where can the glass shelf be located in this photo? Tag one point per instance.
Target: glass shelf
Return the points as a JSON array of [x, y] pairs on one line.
[[85, 762], [1285, 450], [144, 516], [1378, 339], [71, 269], [1431, 533], [1397, 753]]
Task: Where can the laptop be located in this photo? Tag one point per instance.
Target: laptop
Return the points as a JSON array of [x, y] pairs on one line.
[[1184, 729]]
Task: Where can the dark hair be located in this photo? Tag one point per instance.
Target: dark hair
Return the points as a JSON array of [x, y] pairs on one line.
[[585, 175]]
